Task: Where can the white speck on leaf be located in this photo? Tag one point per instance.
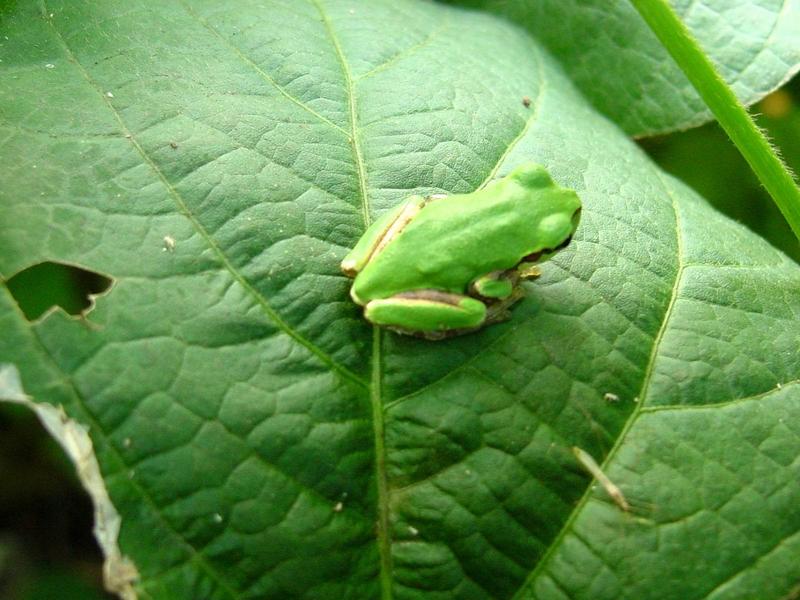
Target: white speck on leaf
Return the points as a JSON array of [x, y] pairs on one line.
[[413, 530], [49, 66], [109, 95], [338, 507], [217, 518], [169, 244], [609, 397]]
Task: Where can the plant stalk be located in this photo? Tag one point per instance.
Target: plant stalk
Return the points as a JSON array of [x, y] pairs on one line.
[[730, 113]]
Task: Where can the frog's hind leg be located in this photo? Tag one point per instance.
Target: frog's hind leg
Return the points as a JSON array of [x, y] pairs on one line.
[[389, 225], [427, 313]]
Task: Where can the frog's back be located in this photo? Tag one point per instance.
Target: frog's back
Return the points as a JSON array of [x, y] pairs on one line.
[[461, 237]]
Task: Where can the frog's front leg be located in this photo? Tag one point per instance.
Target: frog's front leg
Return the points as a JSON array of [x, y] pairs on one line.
[[503, 284], [429, 313], [497, 284], [502, 289]]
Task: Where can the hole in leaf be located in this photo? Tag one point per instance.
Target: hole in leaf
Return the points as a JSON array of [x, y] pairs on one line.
[[40, 287]]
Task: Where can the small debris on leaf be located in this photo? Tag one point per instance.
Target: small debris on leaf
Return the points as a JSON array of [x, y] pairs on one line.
[[591, 466]]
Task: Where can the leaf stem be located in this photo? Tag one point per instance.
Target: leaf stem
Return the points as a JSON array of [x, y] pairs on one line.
[[731, 114]]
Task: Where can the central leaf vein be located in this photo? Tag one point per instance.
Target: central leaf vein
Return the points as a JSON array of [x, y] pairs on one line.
[[383, 520]]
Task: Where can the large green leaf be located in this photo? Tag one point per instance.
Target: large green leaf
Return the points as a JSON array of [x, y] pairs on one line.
[[259, 440], [619, 65]]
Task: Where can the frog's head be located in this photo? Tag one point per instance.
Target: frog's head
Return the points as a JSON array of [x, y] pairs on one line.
[[555, 231], [557, 213]]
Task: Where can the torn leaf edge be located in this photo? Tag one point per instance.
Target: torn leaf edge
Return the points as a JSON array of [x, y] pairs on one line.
[[119, 572]]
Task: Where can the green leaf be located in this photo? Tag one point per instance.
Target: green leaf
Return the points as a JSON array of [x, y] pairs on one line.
[[619, 65], [705, 159], [259, 440]]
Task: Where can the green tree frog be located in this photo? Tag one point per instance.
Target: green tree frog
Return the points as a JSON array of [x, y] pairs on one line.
[[440, 266]]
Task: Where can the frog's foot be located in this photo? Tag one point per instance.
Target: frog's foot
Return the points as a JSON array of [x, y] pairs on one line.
[[499, 310], [528, 271], [499, 285], [427, 313]]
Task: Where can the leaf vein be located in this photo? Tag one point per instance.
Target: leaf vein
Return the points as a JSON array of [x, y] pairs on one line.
[[530, 121], [407, 52], [124, 467], [266, 76], [569, 523], [212, 244], [383, 518]]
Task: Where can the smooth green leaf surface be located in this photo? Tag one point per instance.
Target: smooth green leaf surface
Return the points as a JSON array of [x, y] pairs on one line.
[[619, 65], [259, 440]]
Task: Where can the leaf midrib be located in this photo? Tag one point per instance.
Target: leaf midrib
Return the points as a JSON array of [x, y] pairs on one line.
[[383, 535]]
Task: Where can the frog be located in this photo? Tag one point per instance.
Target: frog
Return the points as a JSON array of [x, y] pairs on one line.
[[439, 266]]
